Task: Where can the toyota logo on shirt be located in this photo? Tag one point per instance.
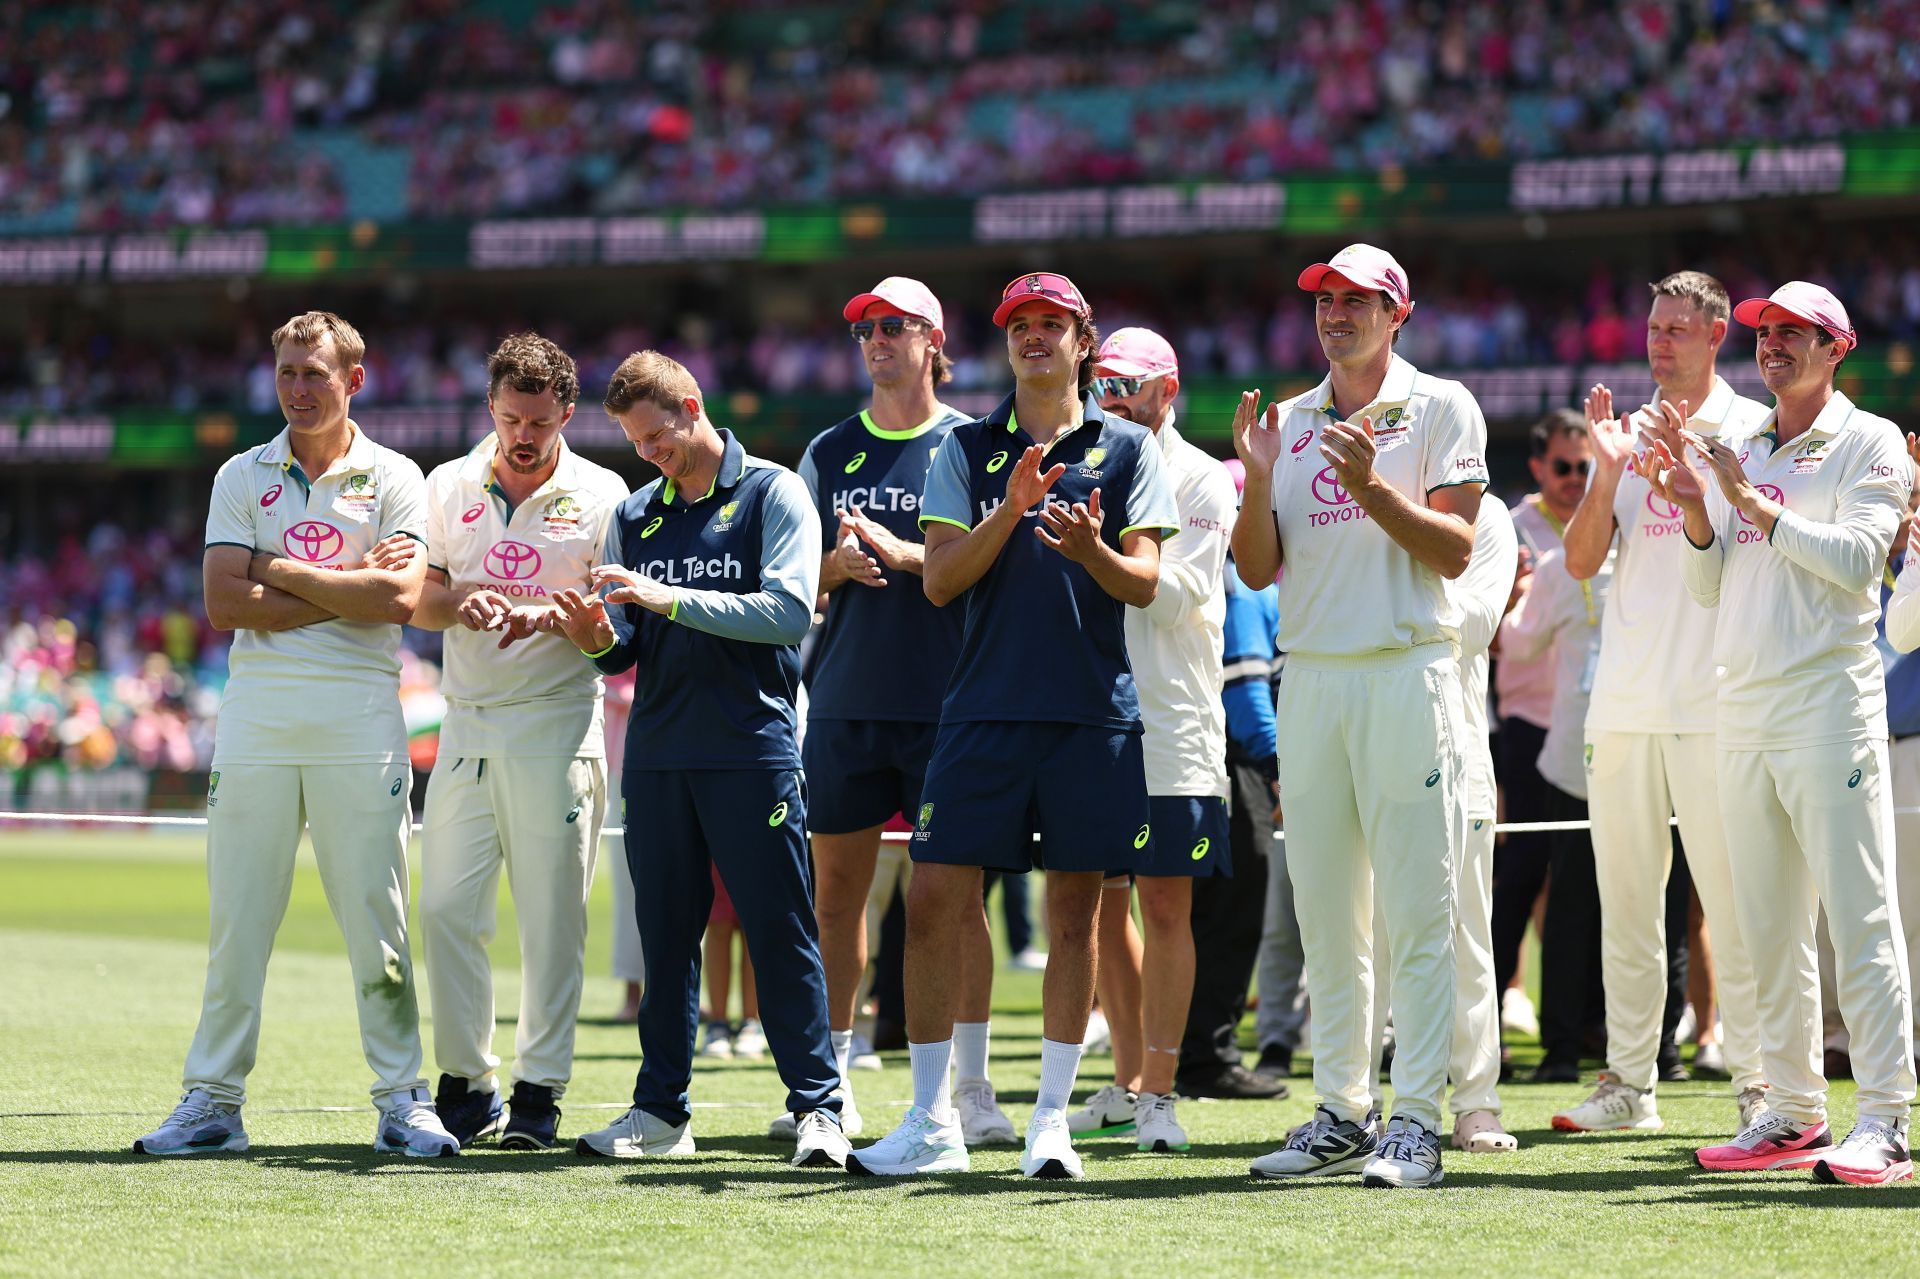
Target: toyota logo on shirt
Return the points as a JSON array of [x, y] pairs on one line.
[[314, 541], [513, 560], [1771, 493], [1661, 508], [1328, 491]]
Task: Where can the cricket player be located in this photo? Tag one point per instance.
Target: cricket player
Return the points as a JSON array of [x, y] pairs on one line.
[[1369, 487], [1791, 543], [1046, 516], [521, 776], [313, 558], [1649, 730], [879, 669], [1175, 647], [717, 563]]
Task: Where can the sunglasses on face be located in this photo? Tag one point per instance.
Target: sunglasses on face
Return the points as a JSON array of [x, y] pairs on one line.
[[1563, 468], [890, 326], [1123, 387]]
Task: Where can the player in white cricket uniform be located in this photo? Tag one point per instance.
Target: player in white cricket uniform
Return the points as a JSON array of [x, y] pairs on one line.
[[1649, 732], [1791, 544], [1369, 487], [1175, 645], [313, 559], [521, 778]]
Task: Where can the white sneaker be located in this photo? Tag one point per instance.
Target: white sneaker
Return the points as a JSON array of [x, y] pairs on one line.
[[750, 1041], [1612, 1107], [982, 1122], [862, 1057], [409, 1125], [919, 1144], [1049, 1153], [1517, 1016], [1028, 961], [636, 1134], [1873, 1154], [820, 1143], [718, 1042], [787, 1128], [1321, 1147], [1099, 1036], [199, 1125], [1410, 1156], [1108, 1113], [1158, 1131]]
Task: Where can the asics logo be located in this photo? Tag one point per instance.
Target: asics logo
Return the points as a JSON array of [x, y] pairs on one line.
[[271, 496], [779, 814], [1433, 779], [652, 528], [1854, 780], [473, 512], [1200, 850], [855, 462], [1299, 445], [1140, 840], [997, 461]]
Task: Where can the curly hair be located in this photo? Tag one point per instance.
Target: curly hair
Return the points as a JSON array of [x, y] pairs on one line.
[[531, 364]]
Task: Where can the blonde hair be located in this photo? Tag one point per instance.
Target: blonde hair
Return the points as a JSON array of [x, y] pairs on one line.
[[308, 328], [651, 376], [1708, 295]]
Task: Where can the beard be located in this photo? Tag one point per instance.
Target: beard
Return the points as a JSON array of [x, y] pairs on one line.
[[518, 467]]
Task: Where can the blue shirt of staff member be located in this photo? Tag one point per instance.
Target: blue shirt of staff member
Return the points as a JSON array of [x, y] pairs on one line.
[[1045, 518], [711, 576]]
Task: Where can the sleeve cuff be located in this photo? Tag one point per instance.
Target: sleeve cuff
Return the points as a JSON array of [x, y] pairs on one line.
[[673, 609], [941, 519], [1169, 529], [603, 652], [1701, 546]]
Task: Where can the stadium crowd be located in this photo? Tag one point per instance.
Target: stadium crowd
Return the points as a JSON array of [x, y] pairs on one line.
[[198, 113], [1469, 319]]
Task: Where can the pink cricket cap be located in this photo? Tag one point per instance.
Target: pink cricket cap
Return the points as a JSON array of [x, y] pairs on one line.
[[1136, 352], [1803, 301], [1366, 266], [908, 296], [1040, 286], [1238, 470]]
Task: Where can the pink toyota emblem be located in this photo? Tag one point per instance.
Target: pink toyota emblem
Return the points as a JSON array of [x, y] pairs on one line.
[[313, 541], [513, 560], [1326, 487]]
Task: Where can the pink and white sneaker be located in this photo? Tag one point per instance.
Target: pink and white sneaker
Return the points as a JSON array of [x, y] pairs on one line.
[[1873, 1154], [1771, 1141]]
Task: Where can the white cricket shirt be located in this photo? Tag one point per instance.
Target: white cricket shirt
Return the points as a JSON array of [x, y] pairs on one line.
[[1482, 591], [1794, 640], [328, 693], [1525, 687], [541, 697], [1656, 650], [1559, 619], [1175, 643], [1348, 589]]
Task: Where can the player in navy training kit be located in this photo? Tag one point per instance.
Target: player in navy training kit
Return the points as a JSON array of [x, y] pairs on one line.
[[1041, 725], [718, 562], [878, 671]]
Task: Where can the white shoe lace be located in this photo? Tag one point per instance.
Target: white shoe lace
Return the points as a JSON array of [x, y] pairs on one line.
[[1405, 1144], [194, 1106], [1760, 1129], [1308, 1134], [1869, 1133], [1159, 1110]]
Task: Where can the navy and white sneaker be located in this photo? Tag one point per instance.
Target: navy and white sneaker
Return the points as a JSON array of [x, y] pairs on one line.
[[467, 1115], [1410, 1156], [535, 1121], [1323, 1147], [408, 1126], [819, 1142], [636, 1135], [199, 1125]]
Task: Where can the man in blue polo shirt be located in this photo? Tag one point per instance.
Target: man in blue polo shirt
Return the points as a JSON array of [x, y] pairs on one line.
[[879, 669], [717, 563], [1041, 726]]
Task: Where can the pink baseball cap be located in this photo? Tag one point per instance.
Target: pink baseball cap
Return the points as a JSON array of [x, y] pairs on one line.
[[1136, 352], [908, 296], [1366, 266], [1803, 301], [1040, 286]]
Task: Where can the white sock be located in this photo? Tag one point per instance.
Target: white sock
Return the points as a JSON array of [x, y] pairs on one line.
[[931, 1092], [1059, 1063], [842, 1050], [970, 1049]]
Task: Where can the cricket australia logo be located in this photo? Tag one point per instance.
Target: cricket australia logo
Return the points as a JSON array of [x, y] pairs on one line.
[[725, 521], [1089, 465], [213, 784], [921, 827]]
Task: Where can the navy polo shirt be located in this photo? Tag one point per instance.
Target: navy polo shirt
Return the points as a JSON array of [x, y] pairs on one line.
[[1042, 641], [717, 677], [885, 652]]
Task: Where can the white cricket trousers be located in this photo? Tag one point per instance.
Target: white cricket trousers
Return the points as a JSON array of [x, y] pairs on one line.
[[358, 815], [1475, 1064], [1808, 826], [1636, 782], [540, 818], [1372, 781]]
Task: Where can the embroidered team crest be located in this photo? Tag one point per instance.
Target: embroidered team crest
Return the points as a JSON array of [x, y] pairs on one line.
[[563, 507], [359, 486], [1094, 457], [725, 521], [926, 820]]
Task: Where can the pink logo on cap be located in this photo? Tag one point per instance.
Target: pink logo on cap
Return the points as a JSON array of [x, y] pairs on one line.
[[1040, 286], [1136, 352], [1803, 301], [1365, 266], [908, 296]]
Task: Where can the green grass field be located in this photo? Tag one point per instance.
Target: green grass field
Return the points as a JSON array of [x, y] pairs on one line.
[[102, 953]]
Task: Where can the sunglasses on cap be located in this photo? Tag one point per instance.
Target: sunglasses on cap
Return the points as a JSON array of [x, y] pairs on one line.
[[890, 326], [1563, 468], [1123, 387], [1046, 284]]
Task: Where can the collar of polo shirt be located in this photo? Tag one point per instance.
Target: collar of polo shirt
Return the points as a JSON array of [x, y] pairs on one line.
[[279, 452], [1830, 421], [1394, 388], [1090, 415], [733, 464]]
